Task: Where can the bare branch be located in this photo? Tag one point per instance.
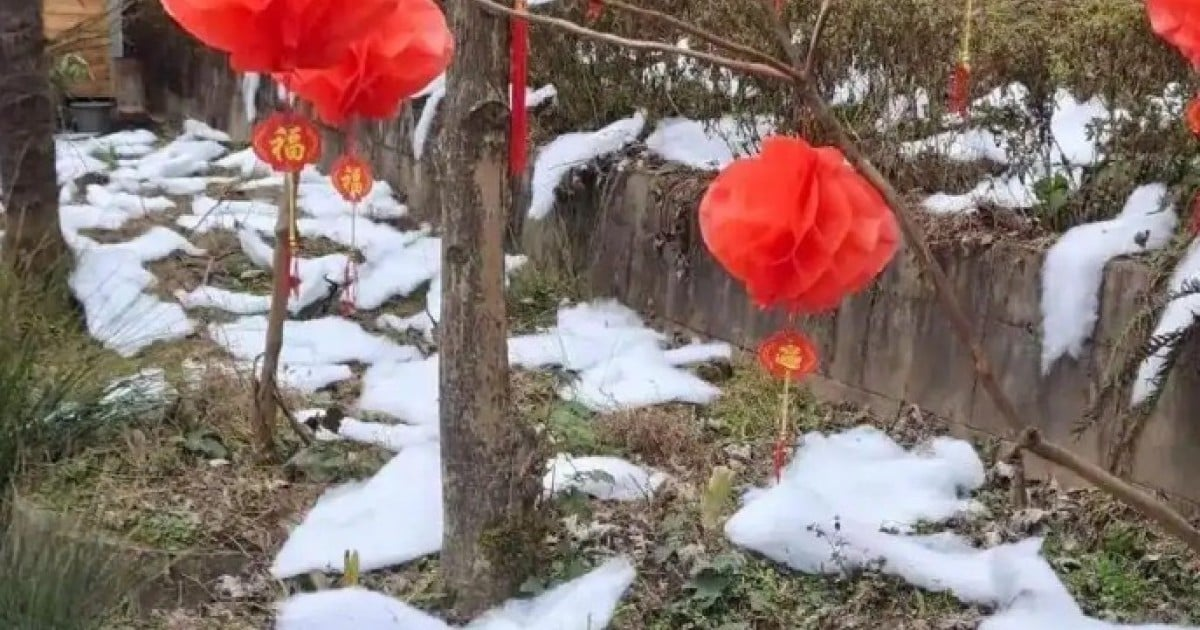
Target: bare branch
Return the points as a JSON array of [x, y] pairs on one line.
[[754, 68], [712, 38], [816, 35]]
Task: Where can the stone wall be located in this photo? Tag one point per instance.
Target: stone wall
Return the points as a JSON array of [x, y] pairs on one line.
[[634, 237]]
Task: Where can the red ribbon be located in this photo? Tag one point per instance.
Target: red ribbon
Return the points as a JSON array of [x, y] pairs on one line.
[[518, 71]]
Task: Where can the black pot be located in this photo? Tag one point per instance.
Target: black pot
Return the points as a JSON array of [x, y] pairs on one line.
[[92, 115]]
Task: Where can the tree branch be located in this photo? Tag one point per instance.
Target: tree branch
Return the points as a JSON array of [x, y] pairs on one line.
[[816, 35], [712, 38], [754, 68]]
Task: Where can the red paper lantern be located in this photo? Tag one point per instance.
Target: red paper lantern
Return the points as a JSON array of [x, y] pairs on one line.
[[352, 178], [1177, 22], [798, 226], [788, 355], [279, 35], [410, 47], [1191, 115], [287, 141]]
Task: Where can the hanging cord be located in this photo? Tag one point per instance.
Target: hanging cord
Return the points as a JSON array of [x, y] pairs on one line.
[[779, 457], [350, 278]]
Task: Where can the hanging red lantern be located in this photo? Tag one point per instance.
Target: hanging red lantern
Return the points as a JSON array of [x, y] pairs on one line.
[[352, 178], [1177, 22], [594, 9], [1191, 115], [798, 226], [788, 355], [279, 35], [286, 141], [404, 53]]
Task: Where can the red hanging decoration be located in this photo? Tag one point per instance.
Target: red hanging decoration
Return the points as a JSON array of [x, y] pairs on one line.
[[959, 94], [352, 178], [797, 226], [286, 141], [594, 9], [1177, 22], [1191, 115], [788, 356], [407, 50], [279, 35], [518, 132]]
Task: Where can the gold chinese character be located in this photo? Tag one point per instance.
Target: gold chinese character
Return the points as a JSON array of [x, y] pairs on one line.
[[352, 181], [287, 144], [790, 357]]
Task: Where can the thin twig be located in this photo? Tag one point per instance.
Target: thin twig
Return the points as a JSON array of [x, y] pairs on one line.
[[816, 36], [754, 68], [710, 37]]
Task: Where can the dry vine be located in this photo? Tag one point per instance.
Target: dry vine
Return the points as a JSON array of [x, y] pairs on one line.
[[797, 72]]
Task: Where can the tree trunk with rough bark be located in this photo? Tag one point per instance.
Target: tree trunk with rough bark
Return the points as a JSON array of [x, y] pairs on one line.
[[33, 245], [490, 461]]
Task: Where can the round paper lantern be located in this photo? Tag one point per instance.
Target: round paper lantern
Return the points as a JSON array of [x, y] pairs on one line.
[[798, 226], [1178, 22], [286, 141], [788, 355], [279, 35], [1191, 115], [407, 50], [352, 178]]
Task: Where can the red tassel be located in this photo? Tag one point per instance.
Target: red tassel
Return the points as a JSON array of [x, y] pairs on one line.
[[777, 459], [594, 9], [960, 88], [519, 70], [778, 6], [350, 277], [294, 276]]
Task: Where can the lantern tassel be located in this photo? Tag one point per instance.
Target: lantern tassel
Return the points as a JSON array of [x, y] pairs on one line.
[[960, 79], [779, 457], [518, 71], [291, 182]]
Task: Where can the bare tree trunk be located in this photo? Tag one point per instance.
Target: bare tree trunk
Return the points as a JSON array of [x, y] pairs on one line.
[[266, 405], [33, 244], [490, 462]]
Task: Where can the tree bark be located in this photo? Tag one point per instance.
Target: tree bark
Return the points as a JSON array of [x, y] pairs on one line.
[[490, 462], [33, 244]]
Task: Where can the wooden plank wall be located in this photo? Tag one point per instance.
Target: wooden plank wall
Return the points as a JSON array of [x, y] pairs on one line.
[[81, 26]]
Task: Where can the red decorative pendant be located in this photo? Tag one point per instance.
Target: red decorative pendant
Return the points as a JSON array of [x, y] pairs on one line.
[[594, 9], [959, 93], [1194, 220], [788, 355], [287, 141], [352, 178], [1192, 115]]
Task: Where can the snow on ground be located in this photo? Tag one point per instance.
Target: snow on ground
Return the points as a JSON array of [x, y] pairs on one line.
[[585, 603], [851, 500], [1074, 268]]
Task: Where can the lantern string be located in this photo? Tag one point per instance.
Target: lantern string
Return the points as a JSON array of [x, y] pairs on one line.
[[965, 55], [781, 442], [290, 182]]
